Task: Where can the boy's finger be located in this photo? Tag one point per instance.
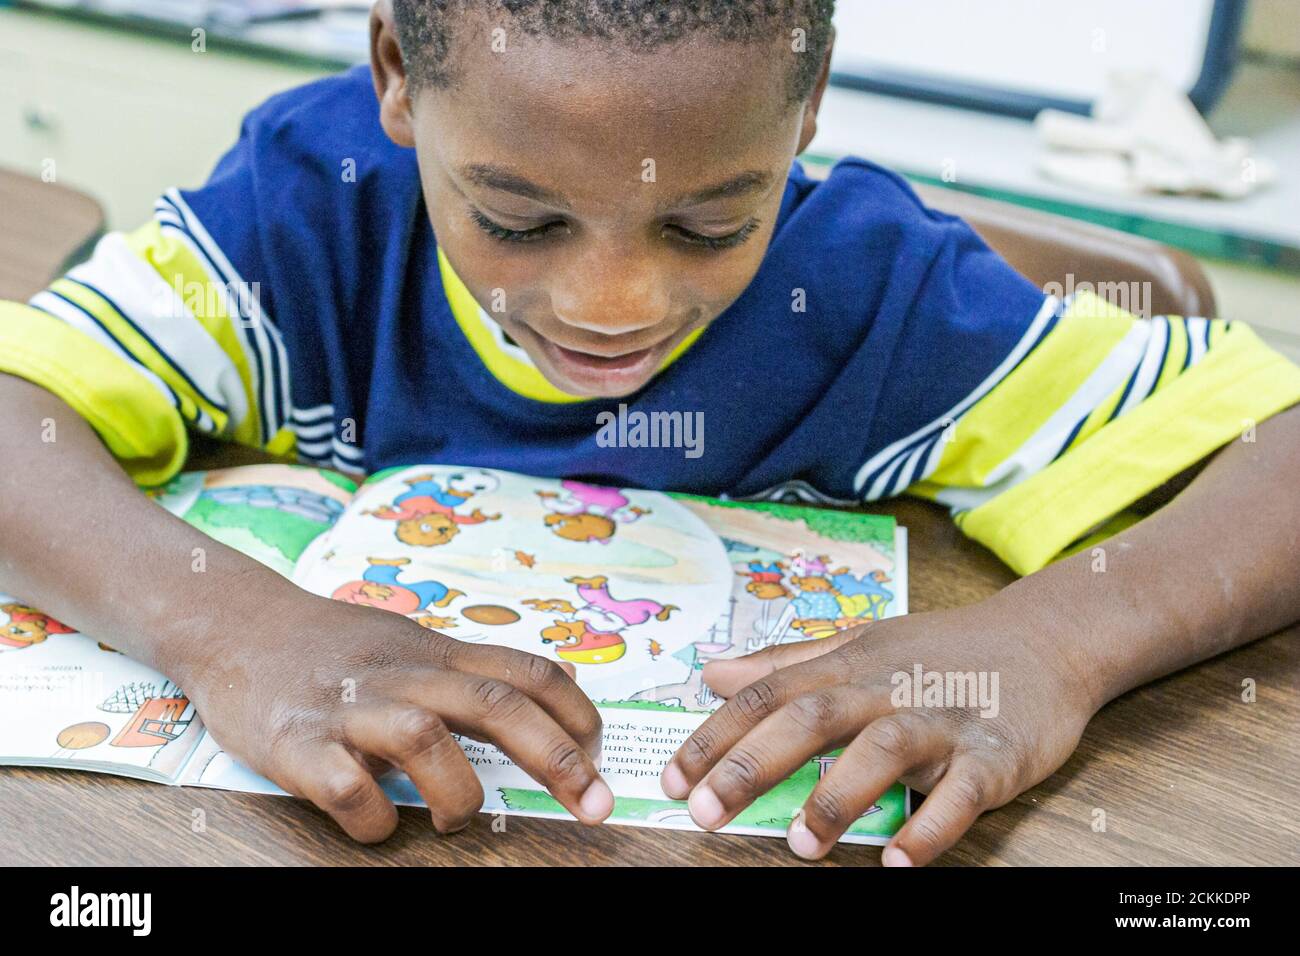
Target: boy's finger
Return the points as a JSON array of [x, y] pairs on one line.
[[948, 812], [727, 677], [419, 743], [871, 763], [489, 709], [335, 781], [811, 724], [541, 679], [737, 717]]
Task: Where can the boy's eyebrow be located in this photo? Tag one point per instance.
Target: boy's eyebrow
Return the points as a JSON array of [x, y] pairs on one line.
[[498, 177], [744, 184]]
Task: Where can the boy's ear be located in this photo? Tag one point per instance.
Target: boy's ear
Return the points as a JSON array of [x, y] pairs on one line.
[[389, 75], [814, 103]]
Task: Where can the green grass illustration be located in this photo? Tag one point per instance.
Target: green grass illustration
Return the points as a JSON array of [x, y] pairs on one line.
[[835, 525]]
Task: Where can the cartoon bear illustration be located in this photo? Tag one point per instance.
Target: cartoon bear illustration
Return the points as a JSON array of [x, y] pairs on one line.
[[593, 632], [26, 627], [426, 512], [583, 512]]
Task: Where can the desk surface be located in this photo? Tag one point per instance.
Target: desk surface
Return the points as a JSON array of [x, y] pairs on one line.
[[44, 225], [1185, 771]]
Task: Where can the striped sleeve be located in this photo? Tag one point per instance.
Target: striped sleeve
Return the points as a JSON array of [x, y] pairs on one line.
[[155, 334], [1091, 410]]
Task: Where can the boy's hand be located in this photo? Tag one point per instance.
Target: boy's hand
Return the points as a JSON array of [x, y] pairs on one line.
[[323, 695], [791, 703], [315, 694]]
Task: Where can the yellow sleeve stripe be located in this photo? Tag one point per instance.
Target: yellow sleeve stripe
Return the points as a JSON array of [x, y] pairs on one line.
[[1175, 355], [1240, 382], [204, 299], [137, 422], [1006, 418], [137, 344], [1099, 417]]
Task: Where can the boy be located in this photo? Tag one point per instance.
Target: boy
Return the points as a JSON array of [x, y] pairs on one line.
[[617, 218]]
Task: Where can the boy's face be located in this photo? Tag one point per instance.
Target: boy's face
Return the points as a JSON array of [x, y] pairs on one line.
[[599, 205]]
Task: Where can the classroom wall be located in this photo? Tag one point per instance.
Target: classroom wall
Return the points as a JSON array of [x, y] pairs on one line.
[[1273, 27], [121, 114]]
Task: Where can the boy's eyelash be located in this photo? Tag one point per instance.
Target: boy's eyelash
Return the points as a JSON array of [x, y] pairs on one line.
[[714, 243], [718, 243], [498, 231]]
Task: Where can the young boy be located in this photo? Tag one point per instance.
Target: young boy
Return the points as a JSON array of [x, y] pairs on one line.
[[617, 219]]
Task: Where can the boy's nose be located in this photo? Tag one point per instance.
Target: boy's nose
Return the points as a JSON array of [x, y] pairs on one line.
[[618, 300]]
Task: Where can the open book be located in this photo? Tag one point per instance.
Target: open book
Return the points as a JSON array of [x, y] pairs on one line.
[[637, 589]]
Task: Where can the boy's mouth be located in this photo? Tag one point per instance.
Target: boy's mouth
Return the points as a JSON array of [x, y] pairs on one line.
[[587, 373], [609, 375]]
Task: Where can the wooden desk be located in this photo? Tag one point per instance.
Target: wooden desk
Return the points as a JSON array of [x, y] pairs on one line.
[[1186, 772], [41, 226]]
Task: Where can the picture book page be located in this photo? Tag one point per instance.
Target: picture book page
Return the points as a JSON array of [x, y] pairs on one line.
[[637, 590], [269, 512], [67, 699]]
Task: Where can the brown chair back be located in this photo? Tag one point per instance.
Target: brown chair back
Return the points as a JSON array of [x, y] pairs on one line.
[[1056, 253]]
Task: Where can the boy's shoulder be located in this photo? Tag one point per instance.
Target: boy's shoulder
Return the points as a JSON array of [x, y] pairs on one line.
[[312, 162], [314, 137], [857, 199], [322, 116], [860, 247], [861, 178]]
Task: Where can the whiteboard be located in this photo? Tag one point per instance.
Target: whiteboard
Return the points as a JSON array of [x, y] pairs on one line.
[[1025, 52]]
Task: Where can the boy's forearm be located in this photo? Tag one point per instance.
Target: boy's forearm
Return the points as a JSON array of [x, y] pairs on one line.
[[1217, 567], [79, 541]]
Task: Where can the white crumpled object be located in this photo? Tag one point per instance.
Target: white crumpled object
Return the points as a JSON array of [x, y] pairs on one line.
[[1145, 136]]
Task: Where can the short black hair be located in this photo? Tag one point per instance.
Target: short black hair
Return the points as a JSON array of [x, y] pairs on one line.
[[424, 28]]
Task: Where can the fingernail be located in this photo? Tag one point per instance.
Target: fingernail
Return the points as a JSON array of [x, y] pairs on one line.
[[893, 856], [705, 807], [803, 842], [448, 828], [673, 782], [597, 801]]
